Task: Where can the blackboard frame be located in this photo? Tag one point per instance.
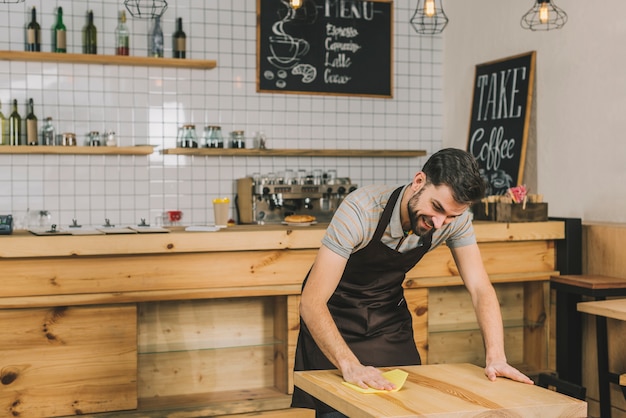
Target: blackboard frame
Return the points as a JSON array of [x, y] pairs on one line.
[[363, 83], [499, 142]]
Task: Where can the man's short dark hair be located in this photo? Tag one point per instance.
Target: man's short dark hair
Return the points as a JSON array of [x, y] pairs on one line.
[[458, 170]]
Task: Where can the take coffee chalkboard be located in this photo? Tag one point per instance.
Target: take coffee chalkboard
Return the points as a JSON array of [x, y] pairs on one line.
[[500, 117], [325, 47]]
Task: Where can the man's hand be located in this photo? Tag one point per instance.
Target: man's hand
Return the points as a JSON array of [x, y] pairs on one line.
[[366, 377], [503, 369]]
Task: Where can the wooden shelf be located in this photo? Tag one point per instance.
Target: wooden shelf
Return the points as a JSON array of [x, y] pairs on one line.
[[293, 152], [77, 150], [107, 60]]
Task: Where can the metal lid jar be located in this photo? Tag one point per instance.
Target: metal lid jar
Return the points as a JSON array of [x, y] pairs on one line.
[[237, 139], [213, 137]]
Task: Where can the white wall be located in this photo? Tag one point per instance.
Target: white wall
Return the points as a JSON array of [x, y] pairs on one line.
[[581, 95], [146, 105]]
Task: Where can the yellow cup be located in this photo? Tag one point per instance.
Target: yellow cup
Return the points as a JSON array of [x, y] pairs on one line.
[[220, 210]]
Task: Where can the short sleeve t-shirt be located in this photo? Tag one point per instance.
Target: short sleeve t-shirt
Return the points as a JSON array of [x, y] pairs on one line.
[[354, 223]]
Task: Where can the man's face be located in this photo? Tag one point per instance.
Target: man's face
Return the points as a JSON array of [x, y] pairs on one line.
[[432, 207]]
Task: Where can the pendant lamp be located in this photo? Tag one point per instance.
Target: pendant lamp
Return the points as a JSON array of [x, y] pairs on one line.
[[429, 17], [145, 9], [544, 15]]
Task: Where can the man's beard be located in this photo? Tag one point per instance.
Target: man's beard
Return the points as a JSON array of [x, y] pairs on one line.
[[414, 217]]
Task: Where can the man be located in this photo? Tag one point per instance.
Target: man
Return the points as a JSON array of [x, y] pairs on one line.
[[353, 314]]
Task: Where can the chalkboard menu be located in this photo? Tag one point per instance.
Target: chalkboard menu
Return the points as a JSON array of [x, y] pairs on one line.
[[501, 106], [325, 47]]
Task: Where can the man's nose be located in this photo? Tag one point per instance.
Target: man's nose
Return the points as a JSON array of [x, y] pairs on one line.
[[438, 221]]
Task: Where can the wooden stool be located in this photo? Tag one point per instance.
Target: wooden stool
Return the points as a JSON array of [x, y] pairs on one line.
[[570, 290]]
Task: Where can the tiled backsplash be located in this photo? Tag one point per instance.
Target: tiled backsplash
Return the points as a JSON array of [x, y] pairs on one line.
[[146, 106]]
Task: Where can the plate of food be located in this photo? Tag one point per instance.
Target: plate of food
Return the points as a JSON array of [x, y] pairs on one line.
[[299, 220]]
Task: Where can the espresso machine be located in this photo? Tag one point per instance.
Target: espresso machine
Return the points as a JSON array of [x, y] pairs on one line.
[[268, 199]]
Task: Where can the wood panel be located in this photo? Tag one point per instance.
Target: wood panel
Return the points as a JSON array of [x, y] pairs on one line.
[[603, 254], [417, 302], [67, 361]]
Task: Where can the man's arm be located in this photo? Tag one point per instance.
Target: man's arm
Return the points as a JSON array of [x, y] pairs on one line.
[[322, 282], [487, 308]]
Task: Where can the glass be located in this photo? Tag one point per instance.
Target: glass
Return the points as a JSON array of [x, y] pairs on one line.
[[47, 132], [155, 40], [187, 137], [60, 33], [213, 137], [33, 33], [220, 211], [90, 36], [237, 139], [179, 40], [122, 36]]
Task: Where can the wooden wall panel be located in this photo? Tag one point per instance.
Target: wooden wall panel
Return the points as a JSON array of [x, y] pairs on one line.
[[67, 361]]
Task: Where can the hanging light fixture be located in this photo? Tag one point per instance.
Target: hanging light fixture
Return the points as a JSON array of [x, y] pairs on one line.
[[295, 4], [145, 9], [544, 15], [429, 17]]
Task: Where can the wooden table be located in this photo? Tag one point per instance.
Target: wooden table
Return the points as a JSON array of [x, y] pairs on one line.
[[450, 390], [615, 309]]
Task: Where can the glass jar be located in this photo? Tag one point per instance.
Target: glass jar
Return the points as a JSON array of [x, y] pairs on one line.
[[213, 137], [47, 132], [68, 139], [187, 137], [93, 139], [237, 139]]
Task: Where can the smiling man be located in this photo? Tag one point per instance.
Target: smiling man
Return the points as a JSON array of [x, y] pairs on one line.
[[353, 314]]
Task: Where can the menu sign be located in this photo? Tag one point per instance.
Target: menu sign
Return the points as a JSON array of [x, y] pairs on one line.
[[325, 47], [498, 133]]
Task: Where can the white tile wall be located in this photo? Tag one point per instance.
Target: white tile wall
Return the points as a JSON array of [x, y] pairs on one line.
[[146, 105]]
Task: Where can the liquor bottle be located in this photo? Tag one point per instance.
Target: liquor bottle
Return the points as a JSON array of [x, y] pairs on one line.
[[155, 39], [32, 132], [60, 34], [33, 33], [4, 133], [179, 40], [90, 36], [15, 126], [47, 132], [122, 36]]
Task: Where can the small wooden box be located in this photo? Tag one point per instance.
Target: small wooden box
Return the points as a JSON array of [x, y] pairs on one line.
[[510, 212]]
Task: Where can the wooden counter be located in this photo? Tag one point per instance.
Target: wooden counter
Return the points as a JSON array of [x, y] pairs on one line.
[[176, 310], [450, 390]]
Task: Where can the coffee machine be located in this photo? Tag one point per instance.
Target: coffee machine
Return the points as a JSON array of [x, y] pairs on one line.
[[267, 200]]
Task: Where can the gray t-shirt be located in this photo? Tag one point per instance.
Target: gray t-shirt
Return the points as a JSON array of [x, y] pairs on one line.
[[354, 223]]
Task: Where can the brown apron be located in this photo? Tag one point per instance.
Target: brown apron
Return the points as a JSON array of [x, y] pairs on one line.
[[369, 309]]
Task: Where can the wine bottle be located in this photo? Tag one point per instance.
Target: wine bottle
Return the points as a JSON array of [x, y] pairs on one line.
[[155, 39], [122, 36], [60, 34], [15, 126], [31, 125], [33, 33], [4, 133], [179, 40], [90, 36]]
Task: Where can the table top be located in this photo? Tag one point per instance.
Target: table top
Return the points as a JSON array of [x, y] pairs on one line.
[[590, 281], [450, 390], [612, 308]]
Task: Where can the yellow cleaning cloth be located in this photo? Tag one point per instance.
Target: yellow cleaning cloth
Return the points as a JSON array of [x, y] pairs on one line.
[[397, 377]]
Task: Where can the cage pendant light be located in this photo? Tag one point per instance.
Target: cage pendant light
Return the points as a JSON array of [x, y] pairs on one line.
[[544, 15], [429, 17], [145, 9]]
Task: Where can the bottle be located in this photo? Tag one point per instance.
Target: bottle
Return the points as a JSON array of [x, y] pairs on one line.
[[32, 132], [60, 34], [15, 126], [155, 39], [122, 36], [90, 36], [179, 40], [33, 33], [47, 132], [4, 134]]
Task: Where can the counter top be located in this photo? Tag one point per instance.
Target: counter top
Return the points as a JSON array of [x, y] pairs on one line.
[[235, 238]]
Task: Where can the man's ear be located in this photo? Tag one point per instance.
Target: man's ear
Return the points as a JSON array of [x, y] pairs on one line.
[[418, 181]]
